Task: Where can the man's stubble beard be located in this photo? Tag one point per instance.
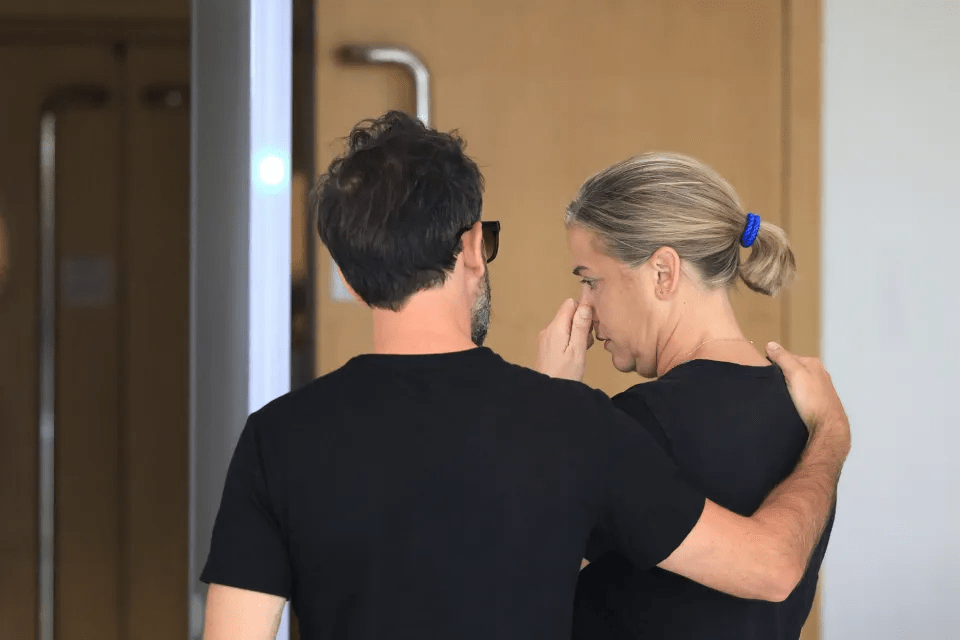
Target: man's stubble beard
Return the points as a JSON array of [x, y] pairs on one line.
[[480, 315]]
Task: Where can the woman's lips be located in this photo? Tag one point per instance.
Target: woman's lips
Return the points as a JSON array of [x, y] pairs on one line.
[[605, 341]]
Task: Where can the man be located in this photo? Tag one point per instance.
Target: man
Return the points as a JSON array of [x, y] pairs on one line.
[[432, 490]]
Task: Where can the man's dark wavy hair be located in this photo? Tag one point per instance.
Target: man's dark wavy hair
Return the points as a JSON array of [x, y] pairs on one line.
[[391, 208]]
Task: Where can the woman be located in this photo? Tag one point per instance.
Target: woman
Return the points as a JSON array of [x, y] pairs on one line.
[[657, 242]]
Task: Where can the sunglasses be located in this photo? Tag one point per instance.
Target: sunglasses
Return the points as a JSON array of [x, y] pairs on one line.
[[491, 238]]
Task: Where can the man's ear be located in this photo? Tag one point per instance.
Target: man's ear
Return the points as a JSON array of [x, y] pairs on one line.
[[473, 259], [665, 262], [349, 288]]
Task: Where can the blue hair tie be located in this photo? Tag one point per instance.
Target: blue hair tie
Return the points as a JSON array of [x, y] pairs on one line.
[[750, 233]]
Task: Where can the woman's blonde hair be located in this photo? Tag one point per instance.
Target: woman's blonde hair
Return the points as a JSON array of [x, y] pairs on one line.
[[660, 199]]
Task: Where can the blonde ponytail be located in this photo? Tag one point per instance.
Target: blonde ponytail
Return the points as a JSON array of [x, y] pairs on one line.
[[771, 265]]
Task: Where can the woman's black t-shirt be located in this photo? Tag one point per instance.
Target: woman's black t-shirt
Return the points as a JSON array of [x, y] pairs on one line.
[[734, 431]]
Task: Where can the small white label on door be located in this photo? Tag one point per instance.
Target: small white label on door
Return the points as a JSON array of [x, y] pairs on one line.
[[87, 281]]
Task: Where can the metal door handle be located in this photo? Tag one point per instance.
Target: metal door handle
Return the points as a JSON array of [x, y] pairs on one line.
[[395, 55], [76, 96]]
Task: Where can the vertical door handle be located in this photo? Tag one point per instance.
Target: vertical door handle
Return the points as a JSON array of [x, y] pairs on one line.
[[393, 55], [71, 97]]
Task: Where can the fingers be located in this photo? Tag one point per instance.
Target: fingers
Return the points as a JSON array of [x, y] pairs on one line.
[[560, 355], [564, 318], [784, 359], [584, 292], [580, 332]]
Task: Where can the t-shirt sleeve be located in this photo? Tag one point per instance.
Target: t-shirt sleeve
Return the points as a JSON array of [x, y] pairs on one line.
[[651, 508], [633, 404], [247, 549], [600, 542]]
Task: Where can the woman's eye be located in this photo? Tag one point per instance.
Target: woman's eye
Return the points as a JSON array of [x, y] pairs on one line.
[[589, 283]]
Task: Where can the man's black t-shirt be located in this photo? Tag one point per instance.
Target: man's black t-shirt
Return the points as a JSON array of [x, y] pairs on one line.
[[734, 431], [439, 496]]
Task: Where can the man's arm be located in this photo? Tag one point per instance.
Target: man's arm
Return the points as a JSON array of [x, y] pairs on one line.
[[766, 555], [248, 567], [238, 614]]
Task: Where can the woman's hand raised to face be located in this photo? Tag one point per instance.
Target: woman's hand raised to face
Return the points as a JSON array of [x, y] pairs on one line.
[[564, 343]]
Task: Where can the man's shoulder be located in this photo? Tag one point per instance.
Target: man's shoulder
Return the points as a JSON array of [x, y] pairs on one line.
[[303, 402], [565, 391], [636, 392], [512, 385], [641, 394]]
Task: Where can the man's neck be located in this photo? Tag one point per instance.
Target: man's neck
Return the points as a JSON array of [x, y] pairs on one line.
[[430, 322]]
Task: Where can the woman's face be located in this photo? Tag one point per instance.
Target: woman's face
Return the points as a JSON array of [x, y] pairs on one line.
[[628, 316]]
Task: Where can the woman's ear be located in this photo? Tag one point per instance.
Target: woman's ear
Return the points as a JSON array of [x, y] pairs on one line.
[[665, 262]]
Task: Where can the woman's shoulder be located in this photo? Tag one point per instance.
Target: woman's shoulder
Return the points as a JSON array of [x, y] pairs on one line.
[[704, 385]]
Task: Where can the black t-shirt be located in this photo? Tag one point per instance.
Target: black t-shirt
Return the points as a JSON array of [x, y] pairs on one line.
[[439, 496], [734, 431]]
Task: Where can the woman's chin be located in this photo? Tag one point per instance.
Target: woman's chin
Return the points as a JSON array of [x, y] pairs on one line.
[[623, 365]]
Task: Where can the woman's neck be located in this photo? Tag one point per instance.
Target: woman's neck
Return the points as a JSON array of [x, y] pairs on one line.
[[706, 328]]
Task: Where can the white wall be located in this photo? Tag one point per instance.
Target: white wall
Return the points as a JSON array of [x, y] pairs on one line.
[[891, 325]]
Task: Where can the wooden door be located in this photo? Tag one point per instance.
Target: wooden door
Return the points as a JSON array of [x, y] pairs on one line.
[[155, 445], [121, 337], [546, 92], [87, 322]]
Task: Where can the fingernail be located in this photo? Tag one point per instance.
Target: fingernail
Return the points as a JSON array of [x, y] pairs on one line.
[[584, 312], [773, 346]]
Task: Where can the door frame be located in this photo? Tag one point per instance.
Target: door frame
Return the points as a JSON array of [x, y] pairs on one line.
[[800, 207]]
